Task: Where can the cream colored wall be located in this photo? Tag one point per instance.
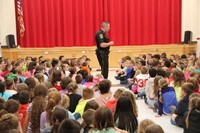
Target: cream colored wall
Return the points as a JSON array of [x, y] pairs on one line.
[[198, 18], [190, 18], [7, 20]]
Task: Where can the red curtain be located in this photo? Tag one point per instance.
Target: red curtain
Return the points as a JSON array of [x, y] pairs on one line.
[[65, 23]]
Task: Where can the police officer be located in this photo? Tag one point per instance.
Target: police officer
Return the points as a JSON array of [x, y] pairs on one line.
[[103, 47]]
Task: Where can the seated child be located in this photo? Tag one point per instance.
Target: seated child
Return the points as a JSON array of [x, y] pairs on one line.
[[154, 128], [125, 73], [152, 94], [144, 124], [188, 71], [73, 96], [86, 67], [89, 81], [149, 83], [178, 117], [141, 81], [130, 72], [112, 103], [88, 120], [194, 81], [24, 102], [79, 79], [166, 97], [97, 78], [88, 94], [192, 118]]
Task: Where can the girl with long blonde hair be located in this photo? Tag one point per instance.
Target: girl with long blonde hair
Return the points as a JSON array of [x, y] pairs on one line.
[[54, 98], [32, 120]]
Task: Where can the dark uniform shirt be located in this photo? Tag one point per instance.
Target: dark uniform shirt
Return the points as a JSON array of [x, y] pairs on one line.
[[101, 37]]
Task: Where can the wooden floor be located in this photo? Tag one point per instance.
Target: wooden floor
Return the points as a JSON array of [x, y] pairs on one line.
[[116, 52]]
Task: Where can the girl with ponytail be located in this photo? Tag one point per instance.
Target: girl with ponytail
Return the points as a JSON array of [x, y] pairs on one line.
[[192, 121], [54, 99], [73, 96], [32, 120], [58, 115], [166, 97]]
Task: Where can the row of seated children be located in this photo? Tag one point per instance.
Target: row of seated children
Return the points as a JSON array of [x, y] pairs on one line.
[[39, 115], [185, 80], [57, 76], [30, 66], [178, 80], [9, 121], [176, 77], [102, 99], [39, 110], [156, 61], [169, 91], [94, 118]]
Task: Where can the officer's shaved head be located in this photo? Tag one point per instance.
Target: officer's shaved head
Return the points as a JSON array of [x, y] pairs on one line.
[[104, 24]]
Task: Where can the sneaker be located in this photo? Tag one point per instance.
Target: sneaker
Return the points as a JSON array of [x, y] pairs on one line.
[[145, 100], [117, 77], [99, 69], [155, 110], [123, 78], [123, 82], [137, 96], [172, 109]]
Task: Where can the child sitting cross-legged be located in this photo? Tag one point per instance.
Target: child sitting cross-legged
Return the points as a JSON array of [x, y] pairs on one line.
[[124, 74], [149, 86], [141, 81]]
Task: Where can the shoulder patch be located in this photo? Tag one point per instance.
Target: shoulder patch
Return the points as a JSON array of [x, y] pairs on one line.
[[101, 36]]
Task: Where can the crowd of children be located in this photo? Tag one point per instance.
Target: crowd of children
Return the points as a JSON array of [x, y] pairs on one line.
[[39, 95], [167, 84]]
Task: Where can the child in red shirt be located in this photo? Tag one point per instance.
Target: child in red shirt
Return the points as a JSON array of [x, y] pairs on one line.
[[24, 102]]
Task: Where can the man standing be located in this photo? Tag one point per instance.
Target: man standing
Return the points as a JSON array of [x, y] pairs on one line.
[[103, 47]]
